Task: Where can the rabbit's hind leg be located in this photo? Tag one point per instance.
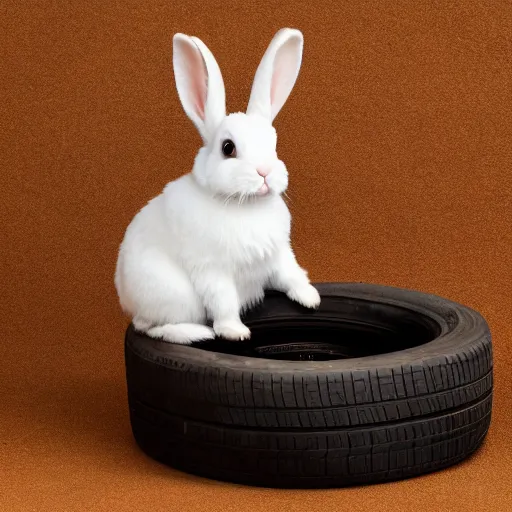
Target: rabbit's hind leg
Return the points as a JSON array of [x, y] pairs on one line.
[[164, 303]]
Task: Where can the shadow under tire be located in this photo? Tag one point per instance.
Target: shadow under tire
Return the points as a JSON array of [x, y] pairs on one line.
[[378, 384]]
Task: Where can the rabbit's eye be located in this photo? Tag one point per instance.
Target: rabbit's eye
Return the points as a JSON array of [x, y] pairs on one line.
[[228, 148]]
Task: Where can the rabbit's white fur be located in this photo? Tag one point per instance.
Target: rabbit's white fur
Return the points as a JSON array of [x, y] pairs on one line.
[[216, 238]]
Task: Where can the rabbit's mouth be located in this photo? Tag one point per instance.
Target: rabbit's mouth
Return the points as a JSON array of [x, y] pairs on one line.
[[263, 190]]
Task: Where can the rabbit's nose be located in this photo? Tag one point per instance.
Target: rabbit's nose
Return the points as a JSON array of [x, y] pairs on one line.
[[263, 171]]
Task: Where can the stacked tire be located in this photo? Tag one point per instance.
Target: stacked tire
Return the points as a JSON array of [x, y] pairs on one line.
[[307, 424]]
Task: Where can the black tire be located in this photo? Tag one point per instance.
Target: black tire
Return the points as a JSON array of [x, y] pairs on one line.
[[412, 394]]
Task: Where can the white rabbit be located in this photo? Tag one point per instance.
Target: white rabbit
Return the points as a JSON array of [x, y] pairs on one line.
[[207, 247]]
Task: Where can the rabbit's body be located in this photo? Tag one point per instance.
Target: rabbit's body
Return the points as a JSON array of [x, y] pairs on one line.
[[209, 245], [184, 235]]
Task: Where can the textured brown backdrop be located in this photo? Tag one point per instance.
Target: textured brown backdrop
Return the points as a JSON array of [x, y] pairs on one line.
[[398, 141]]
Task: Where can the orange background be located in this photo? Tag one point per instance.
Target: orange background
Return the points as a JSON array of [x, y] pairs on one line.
[[398, 141]]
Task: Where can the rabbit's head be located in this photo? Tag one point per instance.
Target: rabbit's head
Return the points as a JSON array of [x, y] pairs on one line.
[[238, 159]]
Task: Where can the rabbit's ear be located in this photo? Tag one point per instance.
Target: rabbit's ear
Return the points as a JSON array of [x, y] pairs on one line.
[[199, 83], [276, 74]]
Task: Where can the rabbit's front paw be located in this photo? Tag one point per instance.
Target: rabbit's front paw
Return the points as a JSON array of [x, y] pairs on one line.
[[232, 330], [307, 296]]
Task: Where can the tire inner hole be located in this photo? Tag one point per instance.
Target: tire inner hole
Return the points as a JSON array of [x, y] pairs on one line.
[[342, 328]]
